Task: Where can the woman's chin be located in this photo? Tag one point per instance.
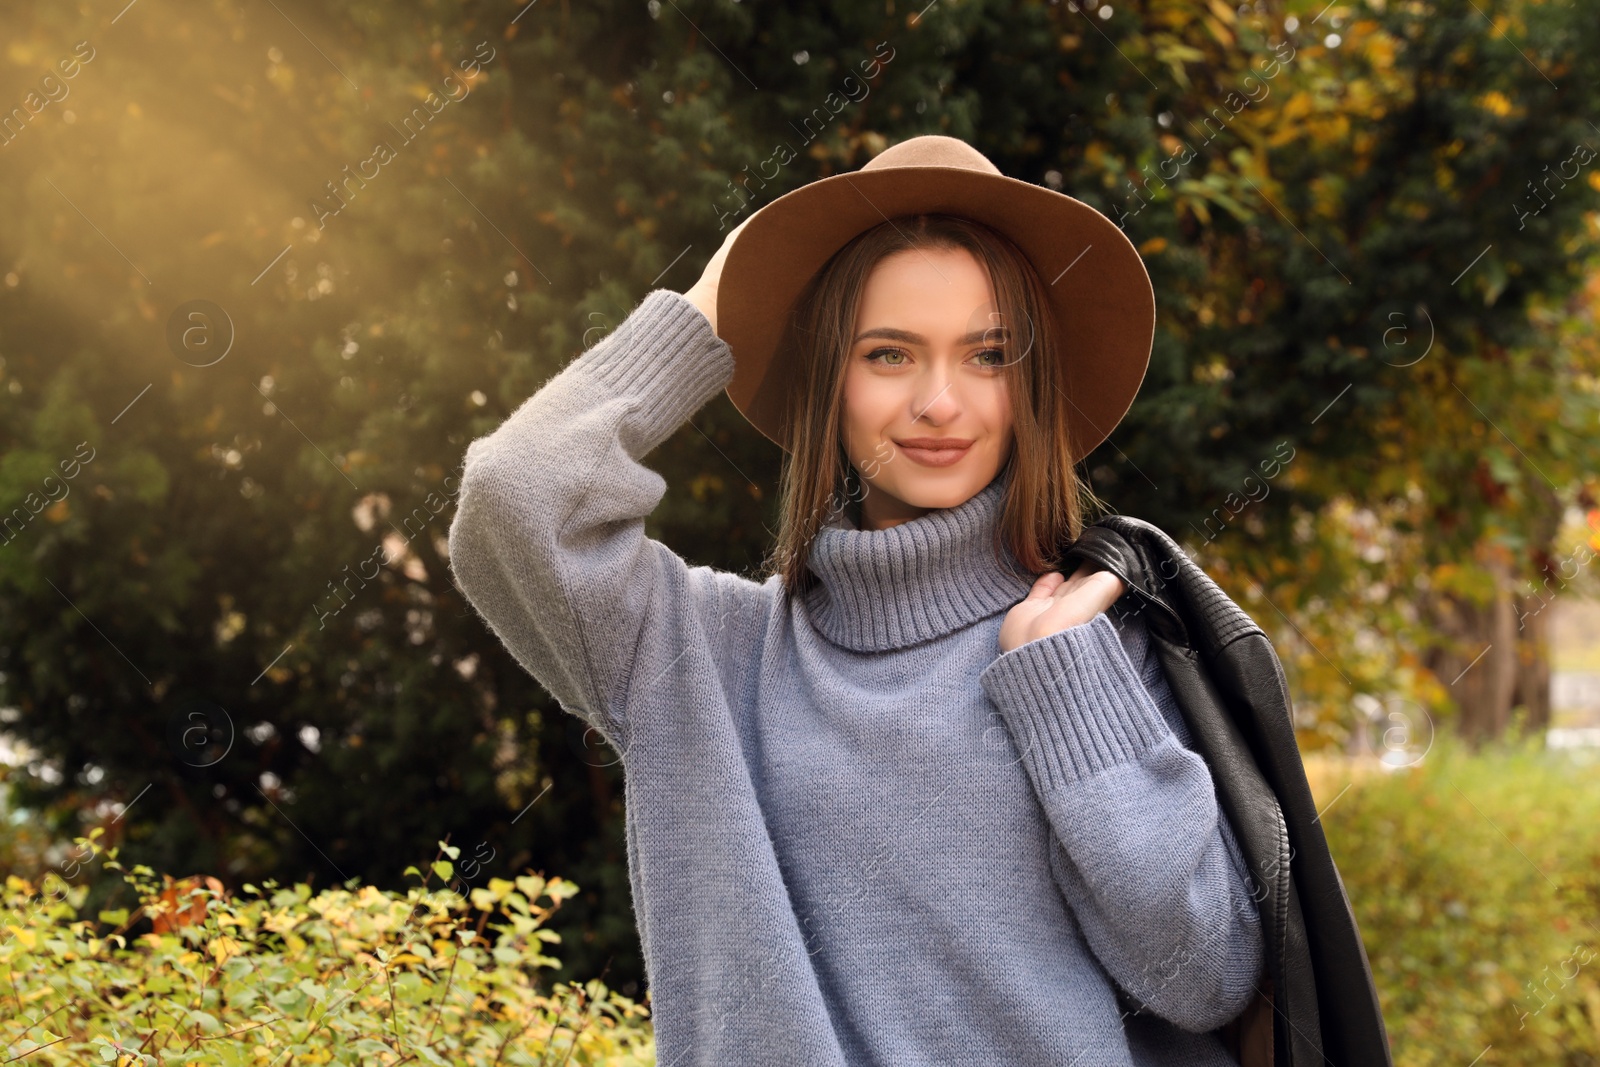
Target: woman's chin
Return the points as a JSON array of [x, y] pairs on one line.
[[943, 487]]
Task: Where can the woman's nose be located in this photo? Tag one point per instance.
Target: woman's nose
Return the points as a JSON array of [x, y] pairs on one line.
[[936, 399]]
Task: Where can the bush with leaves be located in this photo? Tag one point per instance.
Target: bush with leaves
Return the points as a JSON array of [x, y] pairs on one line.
[[1476, 880], [279, 975]]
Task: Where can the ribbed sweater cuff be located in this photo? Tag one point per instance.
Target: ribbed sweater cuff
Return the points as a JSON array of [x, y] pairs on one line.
[[666, 354], [1074, 703]]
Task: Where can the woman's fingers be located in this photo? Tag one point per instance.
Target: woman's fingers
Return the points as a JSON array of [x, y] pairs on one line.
[[1056, 602], [1087, 593], [1084, 570], [1045, 586], [1070, 586]]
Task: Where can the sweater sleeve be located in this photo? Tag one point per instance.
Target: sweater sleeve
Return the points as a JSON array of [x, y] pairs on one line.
[[548, 541], [1140, 849]]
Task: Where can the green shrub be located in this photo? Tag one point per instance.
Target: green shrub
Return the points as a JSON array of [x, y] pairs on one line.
[[1476, 880], [278, 976]]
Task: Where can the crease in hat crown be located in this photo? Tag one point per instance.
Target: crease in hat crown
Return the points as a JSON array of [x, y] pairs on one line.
[[1098, 290], [931, 150]]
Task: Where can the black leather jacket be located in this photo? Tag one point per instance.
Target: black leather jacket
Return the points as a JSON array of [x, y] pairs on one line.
[[1318, 1003]]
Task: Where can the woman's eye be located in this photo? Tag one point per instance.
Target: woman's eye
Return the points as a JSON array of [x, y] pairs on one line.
[[998, 354], [875, 353]]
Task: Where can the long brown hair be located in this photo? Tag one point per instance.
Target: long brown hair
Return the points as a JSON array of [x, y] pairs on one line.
[[1046, 501]]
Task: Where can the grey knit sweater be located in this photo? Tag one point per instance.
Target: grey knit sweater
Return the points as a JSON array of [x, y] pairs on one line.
[[857, 833]]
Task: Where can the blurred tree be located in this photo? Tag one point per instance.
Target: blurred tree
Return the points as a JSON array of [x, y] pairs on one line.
[[238, 616]]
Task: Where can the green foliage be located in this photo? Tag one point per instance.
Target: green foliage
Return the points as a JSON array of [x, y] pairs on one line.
[[1476, 881], [282, 975]]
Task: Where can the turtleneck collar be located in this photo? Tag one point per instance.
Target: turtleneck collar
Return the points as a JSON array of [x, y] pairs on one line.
[[886, 589]]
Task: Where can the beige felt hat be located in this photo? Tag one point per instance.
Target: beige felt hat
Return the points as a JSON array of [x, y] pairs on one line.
[[1099, 290]]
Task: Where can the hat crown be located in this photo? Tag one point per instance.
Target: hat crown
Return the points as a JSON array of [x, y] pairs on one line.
[[932, 150]]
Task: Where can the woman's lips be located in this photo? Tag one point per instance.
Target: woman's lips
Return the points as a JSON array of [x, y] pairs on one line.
[[935, 457]]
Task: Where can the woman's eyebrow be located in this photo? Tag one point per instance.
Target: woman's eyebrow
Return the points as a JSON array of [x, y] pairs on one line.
[[890, 333]]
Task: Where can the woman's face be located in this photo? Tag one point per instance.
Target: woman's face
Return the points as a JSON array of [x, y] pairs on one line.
[[921, 371]]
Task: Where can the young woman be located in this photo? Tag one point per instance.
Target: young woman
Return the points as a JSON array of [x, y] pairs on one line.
[[916, 797]]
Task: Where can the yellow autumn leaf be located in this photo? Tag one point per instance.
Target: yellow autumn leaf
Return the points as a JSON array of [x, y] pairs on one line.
[[1299, 106], [1496, 102], [222, 948]]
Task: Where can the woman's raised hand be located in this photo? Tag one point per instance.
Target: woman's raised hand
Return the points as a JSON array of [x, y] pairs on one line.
[[1056, 602], [703, 293]]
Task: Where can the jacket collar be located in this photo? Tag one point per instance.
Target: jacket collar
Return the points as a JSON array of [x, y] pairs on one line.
[[884, 589]]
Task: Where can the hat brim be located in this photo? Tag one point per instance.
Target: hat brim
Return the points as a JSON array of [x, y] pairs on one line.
[[1099, 290]]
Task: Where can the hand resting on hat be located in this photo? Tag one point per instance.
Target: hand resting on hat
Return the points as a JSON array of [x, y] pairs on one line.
[[1056, 602], [703, 293]]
